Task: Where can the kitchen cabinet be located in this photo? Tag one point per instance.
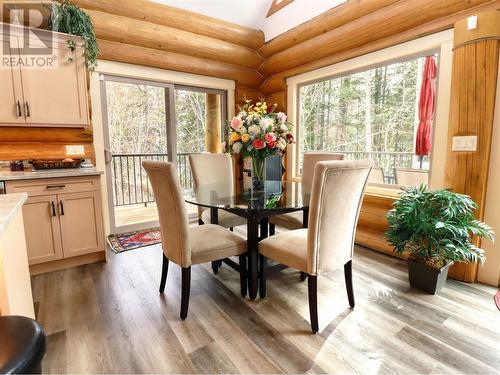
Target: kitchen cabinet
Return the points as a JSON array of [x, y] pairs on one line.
[[43, 233], [53, 93], [63, 217], [10, 87]]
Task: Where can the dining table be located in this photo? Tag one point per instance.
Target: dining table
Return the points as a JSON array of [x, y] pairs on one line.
[[256, 206]]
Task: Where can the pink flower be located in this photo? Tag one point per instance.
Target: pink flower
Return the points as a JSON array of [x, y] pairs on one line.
[[270, 137], [271, 145], [235, 123], [258, 143]]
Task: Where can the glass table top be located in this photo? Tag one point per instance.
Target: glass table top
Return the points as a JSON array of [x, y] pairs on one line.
[[277, 195]]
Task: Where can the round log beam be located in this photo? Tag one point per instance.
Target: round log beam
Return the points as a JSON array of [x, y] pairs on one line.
[[145, 34], [323, 23], [131, 54], [383, 23], [181, 19]]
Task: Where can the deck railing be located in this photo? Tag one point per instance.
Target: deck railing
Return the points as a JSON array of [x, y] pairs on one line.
[[130, 182]]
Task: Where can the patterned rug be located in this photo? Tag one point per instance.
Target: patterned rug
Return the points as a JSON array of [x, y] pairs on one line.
[[134, 240], [497, 299]]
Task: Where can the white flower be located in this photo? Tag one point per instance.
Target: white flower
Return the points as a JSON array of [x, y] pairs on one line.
[[283, 128], [242, 130], [249, 120], [281, 117], [237, 147], [281, 143], [265, 122], [253, 130]]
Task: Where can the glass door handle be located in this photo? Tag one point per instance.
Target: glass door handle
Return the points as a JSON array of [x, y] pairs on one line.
[[108, 156]]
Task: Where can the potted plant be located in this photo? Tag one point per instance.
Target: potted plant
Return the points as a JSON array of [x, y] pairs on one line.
[[435, 227], [66, 17]]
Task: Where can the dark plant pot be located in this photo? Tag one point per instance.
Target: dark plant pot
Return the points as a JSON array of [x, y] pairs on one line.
[[426, 278]]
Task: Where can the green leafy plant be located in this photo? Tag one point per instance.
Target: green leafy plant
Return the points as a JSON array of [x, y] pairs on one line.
[[436, 227], [66, 17]]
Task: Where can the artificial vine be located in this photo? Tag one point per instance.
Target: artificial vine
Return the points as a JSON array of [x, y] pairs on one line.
[[66, 17]]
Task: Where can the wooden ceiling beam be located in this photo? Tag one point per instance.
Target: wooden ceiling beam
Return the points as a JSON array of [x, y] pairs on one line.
[[181, 19], [323, 23], [146, 34], [383, 23], [277, 81], [127, 53]]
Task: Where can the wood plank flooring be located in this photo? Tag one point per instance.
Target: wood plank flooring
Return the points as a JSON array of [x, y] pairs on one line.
[[109, 318]]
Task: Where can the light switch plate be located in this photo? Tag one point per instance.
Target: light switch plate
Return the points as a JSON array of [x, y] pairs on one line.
[[464, 143], [72, 150]]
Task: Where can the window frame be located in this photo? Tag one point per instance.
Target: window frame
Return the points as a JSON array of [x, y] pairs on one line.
[[421, 54], [441, 42]]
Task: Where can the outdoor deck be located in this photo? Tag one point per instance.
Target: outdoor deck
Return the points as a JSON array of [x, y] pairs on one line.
[[139, 213]]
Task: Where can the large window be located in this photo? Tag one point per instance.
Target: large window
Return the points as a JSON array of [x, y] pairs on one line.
[[367, 114]]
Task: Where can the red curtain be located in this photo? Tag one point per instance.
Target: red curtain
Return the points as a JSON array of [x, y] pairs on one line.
[[426, 107]]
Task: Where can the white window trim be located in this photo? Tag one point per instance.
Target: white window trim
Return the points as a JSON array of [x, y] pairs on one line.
[[142, 73], [442, 42]]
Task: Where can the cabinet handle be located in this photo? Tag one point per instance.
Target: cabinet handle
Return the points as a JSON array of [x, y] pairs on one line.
[[62, 208], [27, 107], [49, 187], [53, 208], [19, 114]]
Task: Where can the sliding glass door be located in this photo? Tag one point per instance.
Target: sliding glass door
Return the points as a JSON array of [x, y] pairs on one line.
[[154, 121]]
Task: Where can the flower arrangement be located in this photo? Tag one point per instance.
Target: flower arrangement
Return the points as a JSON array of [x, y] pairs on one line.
[[259, 132]]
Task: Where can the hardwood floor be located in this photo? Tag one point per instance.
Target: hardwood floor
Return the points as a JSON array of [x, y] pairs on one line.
[[109, 317]]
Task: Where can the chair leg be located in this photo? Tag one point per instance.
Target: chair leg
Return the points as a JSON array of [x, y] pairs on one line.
[[243, 275], [312, 286], [200, 222], [186, 286], [216, 264], [303, 276], [164, 272], [262, 276], [272, 229], [348, 282]]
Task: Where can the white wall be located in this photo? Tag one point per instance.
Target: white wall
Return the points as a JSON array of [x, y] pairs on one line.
[[490, 272]]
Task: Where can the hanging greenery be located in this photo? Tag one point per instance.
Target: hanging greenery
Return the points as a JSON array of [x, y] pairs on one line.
[[66, 17]]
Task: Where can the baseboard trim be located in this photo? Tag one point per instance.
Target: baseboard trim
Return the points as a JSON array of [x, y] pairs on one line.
[[60, 264]]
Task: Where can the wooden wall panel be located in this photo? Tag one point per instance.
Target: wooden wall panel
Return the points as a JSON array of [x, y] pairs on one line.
[[472, 106], [165, 15], [146, 34], [244, 93], [131, 54], [279, 98]]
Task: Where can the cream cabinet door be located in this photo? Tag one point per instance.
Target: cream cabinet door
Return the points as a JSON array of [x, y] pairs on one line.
[[80, 215], [10, 84], [41, 224], [56, 96]]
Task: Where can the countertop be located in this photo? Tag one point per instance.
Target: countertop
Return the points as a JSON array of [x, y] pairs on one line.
[[10, 205], [6, 175]]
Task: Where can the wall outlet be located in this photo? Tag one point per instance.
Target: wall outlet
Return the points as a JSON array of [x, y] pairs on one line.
[[464, 143], [72, 150]]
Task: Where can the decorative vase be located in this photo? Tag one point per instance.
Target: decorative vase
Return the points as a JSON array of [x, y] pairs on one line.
[[258, 173]]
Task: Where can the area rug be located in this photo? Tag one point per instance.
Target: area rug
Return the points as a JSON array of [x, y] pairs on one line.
[[497, 299], [134, 240]]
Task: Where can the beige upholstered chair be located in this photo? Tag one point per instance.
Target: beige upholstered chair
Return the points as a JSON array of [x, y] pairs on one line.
[[295, 220], [182, 244], [411, 177], [328, 242], [210, 169], [376, 176]]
